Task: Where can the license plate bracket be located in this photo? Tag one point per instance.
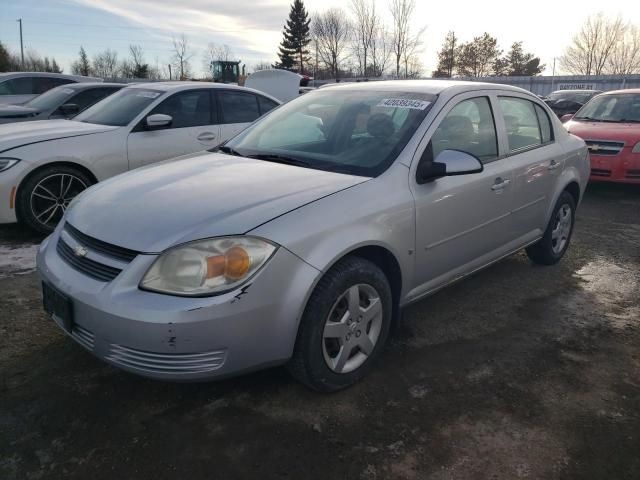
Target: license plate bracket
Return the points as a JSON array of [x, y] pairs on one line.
[[58, 306]]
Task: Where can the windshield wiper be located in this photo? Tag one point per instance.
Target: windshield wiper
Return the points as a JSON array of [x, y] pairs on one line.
[[227, 150], [272, 157], [588, 119], [627, 120]]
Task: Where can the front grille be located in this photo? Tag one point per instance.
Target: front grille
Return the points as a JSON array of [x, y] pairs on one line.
[[632, 174], [165, 363], [604, 147], [83, 336], [600, 172], [85, 265], [99, 246]]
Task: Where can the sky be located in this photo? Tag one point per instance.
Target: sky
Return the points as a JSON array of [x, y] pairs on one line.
[[253, 29]]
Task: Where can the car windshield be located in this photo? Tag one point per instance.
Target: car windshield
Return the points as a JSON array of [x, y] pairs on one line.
[[620, 108], [343, 130], [579, 97], [51, 99], [120, 108]]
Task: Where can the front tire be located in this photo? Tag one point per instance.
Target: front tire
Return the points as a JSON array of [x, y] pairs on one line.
[[45, 195], [555, 241], [344, 327]]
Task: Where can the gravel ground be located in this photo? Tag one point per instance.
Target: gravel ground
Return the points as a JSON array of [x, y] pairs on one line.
[[518, 372]]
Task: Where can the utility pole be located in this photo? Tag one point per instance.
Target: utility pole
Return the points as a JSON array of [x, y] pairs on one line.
[[21, 45], [169, 71]]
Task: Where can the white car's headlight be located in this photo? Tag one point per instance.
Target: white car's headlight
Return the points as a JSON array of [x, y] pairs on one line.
[[207, 267], [7, 163], [636, 148]]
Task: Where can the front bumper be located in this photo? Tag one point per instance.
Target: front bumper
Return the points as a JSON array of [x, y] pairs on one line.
[[9, 182], [177, 338], [621, 168]]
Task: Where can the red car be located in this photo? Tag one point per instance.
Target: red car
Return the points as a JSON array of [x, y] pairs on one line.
[[610, 125]]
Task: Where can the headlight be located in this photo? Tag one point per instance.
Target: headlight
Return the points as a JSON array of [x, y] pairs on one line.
[[636, 148], [7, 163], [207, 267]]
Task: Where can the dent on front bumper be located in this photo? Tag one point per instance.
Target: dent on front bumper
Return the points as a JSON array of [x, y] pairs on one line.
[[178, 338], [623, 167]]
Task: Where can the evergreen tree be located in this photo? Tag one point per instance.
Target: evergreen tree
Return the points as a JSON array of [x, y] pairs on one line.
[[520, 63], [55, 68], [6, 62], [447, 56], [82, 66], [293, 52]]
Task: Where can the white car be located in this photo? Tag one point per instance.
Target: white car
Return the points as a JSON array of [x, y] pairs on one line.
[[45, 164], [17, 88]]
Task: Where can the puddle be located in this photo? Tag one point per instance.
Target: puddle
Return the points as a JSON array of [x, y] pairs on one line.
[[17, 260]]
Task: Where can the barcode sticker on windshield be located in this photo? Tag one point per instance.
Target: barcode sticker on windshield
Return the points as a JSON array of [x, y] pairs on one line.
[[67, 90], [147, 94], [403, 103]]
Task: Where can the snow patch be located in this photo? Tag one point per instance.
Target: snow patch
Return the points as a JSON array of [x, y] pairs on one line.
[[17, 260]]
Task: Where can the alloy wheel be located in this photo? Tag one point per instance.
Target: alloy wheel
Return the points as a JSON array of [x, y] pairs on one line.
[[352, 328], [561, 229], [51, 196]]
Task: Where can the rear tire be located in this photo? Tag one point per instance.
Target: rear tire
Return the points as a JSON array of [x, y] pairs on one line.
[[344, 327], [45, 195], [555, 241]]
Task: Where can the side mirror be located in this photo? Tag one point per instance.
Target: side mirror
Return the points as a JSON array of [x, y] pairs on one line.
[[69, 109], [158, 120], [447, 163], [567, 117]]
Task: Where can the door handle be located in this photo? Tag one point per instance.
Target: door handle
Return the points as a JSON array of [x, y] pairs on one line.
[[553, 165], [206, 136], [500, 184]]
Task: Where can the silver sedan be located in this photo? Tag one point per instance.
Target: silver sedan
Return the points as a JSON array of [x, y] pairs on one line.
[[299, 241]]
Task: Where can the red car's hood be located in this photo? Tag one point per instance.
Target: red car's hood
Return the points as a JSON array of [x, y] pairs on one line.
[[629, 133]]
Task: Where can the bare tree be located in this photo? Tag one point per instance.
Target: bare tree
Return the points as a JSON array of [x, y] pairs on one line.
[[410, 54], [181, 56], [366, 21], [262, 65], [215, 52], [625, 57], [105, 64], [591, 48], [331, 32], [401, 12], [380, 50]]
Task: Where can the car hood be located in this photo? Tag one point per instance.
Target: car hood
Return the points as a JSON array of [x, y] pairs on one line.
[[201, 196], [13, 135], [621, 132], [13, 111]]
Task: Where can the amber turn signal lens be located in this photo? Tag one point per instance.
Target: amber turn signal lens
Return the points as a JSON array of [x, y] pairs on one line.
[[215, 266], [237, 263]]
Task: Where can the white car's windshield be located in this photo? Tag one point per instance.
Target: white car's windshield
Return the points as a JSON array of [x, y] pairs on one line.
[[120, 108], [51, 99], [612, 108], [357, 132]]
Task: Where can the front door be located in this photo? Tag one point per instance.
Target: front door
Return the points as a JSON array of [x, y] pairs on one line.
[[462, 221], [193, 128]]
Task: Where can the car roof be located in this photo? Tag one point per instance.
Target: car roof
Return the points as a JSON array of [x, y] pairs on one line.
[[584, 90], [77, 78], [189, 85], [634, 91], [433, 87], [85, 85]]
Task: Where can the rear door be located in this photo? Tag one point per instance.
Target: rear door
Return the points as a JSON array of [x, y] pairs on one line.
[[237, 110], [462, 221], [534, 159], [193, 128]]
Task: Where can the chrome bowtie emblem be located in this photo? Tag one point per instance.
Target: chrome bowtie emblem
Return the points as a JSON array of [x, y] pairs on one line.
[[80, 251]]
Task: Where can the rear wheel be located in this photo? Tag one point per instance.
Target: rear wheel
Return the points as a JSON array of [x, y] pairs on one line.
[[553, 245], [344, 327], [46, 194]]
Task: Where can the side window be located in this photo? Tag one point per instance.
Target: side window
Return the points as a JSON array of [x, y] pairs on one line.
[[191, 108], [545, 124], [521, 122], [43, 84], [238, 107], [266, 104], [18, 86], [468, 127], [89, 97]]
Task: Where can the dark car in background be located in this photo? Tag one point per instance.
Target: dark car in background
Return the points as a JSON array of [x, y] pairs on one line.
[[563, 102], [61, 102]]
